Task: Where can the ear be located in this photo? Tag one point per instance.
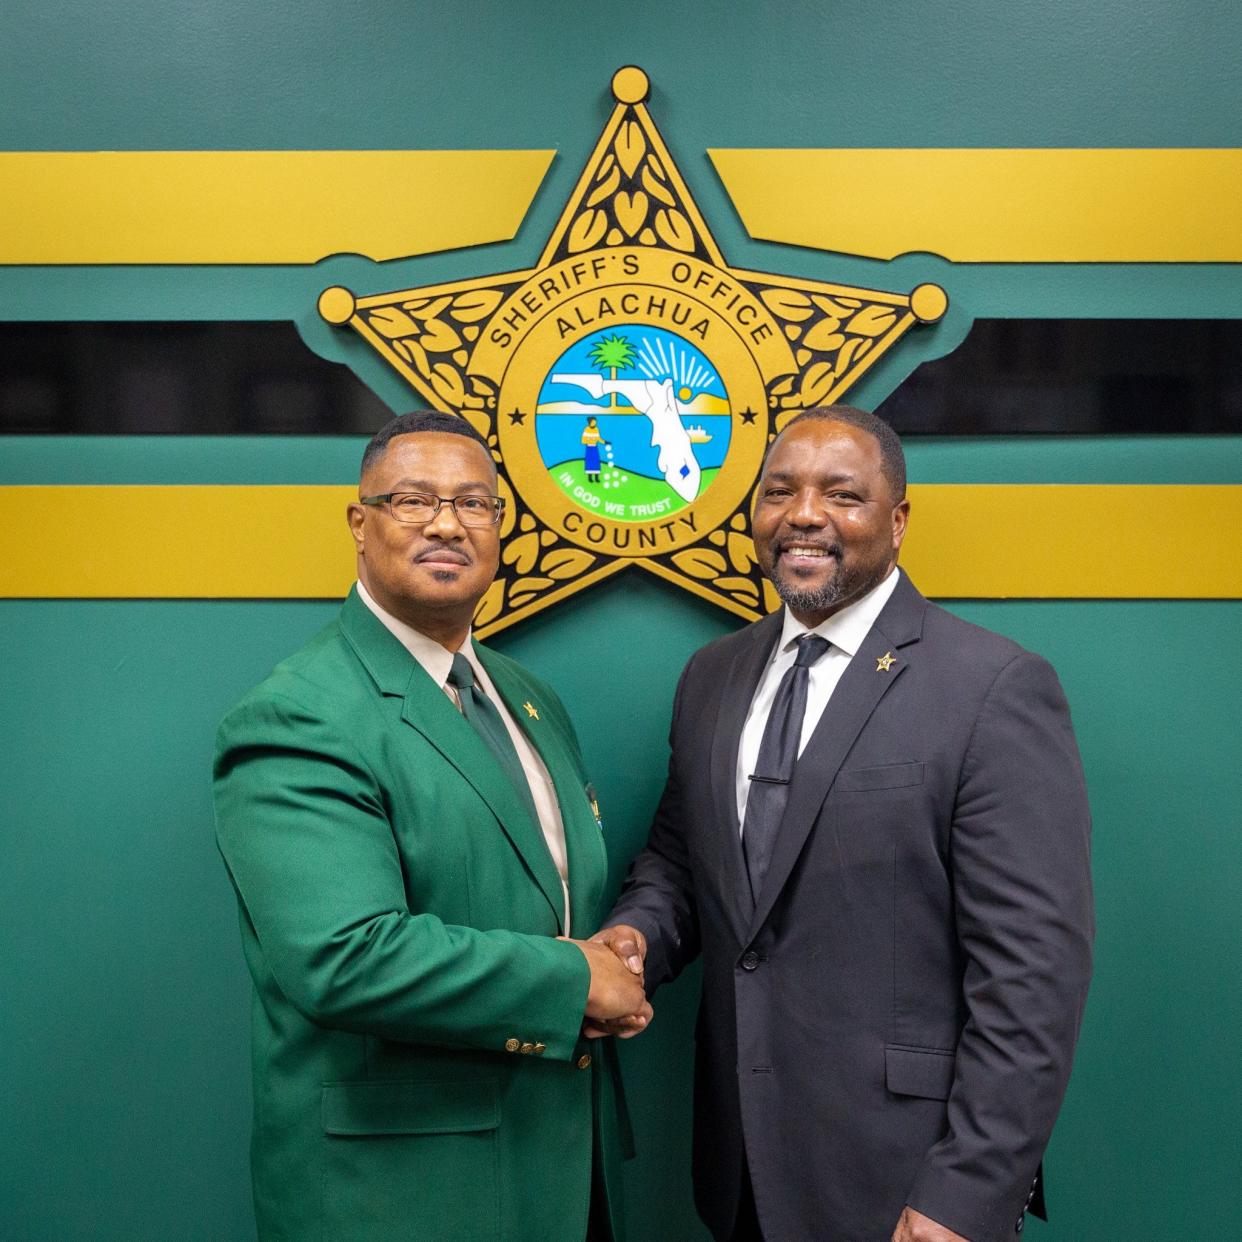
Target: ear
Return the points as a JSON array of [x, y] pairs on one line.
[[355, 515], [901, 515]]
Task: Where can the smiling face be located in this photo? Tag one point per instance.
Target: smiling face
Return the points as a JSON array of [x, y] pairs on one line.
[[827, 527], [429, 575]]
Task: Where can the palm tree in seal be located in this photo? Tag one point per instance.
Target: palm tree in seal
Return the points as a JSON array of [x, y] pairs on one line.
[[612, 354]]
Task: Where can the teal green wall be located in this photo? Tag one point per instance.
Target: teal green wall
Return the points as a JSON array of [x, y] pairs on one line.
[[124, 1093]]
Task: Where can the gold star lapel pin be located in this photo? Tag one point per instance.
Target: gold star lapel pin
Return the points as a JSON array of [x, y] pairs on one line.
[[885, 662], [531, 709]]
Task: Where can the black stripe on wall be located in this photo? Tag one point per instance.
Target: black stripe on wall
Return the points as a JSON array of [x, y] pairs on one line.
[[234, 378], [1078, 377], [1009, 377]]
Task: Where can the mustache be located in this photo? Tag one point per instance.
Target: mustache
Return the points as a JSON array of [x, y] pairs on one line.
[[457, 556]]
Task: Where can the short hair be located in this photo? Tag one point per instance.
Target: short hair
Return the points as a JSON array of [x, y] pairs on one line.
[[892, 455], [412, 424]]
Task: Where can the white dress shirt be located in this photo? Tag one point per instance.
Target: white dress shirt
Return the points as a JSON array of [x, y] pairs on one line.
[[437, 662], [845, 630]]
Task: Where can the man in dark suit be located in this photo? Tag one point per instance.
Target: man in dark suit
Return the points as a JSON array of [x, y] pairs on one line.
[[875, 830], [406, 820]]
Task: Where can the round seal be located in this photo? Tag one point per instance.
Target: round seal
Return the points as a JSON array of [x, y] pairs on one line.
[[619, 406]]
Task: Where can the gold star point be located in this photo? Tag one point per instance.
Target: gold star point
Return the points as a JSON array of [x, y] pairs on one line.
[[531, 710], [885, 662]]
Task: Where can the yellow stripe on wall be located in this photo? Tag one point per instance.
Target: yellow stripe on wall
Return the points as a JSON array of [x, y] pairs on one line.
[[163, 542], [995, 206], [970, 205], [258, 206], [1075, 541], [967, 541]]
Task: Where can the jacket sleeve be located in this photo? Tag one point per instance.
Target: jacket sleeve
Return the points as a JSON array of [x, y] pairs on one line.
[[302, 824], [1020, 859], [658, 894]]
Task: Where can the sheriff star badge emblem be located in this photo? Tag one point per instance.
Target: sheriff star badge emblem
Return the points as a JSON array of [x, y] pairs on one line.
[[629, 383]]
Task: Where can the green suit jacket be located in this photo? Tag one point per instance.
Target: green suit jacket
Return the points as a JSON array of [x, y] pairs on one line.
[[418, 1071]]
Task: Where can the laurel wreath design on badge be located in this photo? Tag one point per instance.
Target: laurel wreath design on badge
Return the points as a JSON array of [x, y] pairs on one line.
[[629, 383]]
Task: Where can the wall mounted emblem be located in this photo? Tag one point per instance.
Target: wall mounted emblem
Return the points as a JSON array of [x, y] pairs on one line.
[[631, 380]]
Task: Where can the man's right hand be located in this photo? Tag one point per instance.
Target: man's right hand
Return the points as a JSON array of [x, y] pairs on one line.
[[615, 991], [627, 942]]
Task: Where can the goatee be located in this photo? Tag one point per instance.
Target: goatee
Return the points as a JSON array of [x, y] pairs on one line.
[[843, 587]]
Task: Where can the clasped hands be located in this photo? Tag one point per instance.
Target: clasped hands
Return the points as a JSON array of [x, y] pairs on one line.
[[616, 1002]]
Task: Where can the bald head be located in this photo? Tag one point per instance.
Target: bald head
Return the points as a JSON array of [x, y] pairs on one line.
[[892, 455]]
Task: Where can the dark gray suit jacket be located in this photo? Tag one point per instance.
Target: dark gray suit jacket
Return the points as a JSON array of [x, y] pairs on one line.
[[894, 1022]]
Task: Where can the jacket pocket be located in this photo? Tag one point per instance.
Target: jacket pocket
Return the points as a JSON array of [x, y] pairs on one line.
[[925, 1072], [410, 1159], [410, 1107], [887, 776]]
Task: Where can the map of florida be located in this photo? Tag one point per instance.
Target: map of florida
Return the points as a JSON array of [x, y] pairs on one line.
[[655, 399]]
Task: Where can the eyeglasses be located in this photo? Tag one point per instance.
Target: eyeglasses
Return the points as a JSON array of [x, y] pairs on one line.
[[417, 508]]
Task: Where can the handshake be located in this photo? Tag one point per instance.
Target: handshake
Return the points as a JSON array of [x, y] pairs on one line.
[[616, 1002]]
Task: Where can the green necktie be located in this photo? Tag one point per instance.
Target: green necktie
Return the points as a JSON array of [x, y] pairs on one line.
[[486, 721]]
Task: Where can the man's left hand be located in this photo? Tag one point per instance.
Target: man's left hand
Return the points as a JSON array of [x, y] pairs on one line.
[[620, 1028], [915, 1227]]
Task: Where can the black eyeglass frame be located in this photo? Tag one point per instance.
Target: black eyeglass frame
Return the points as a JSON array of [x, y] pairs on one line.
[[386, 498]]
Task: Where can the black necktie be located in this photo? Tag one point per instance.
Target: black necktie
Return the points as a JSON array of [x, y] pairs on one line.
[[486, 721], [774, 768]]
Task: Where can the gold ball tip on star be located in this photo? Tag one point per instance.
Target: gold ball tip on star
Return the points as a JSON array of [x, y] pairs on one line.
[[929, 303], [336, 305], [630, 85]]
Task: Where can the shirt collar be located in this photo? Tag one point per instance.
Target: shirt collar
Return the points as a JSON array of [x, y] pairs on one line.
[[845, 629], [436, 661]]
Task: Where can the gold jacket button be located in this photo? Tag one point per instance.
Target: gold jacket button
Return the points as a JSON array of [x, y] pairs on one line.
[[584, 1061], [512, 1045], [540, 1048], [525, 1048]]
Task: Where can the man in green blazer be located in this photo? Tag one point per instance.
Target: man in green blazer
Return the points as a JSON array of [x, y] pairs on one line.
[[412, 839]]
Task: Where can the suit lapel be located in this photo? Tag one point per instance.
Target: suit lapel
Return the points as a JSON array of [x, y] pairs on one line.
[[584, 843], [428, 710], [740, 681], [863, 684]]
